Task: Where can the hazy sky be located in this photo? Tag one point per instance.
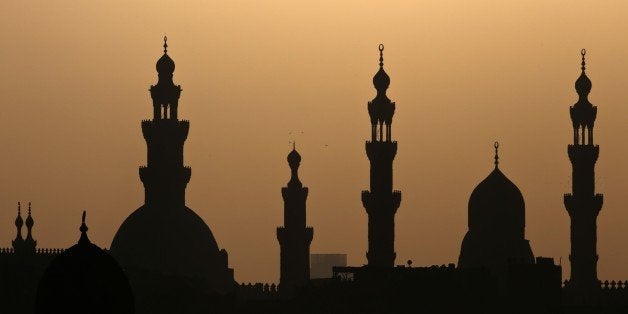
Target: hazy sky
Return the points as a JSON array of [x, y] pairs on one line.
[[74, 87]]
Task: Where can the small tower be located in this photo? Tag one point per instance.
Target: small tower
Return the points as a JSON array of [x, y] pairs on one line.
[[381, 202], [18, 243], [583, 204], [294, 237], [29, 242]]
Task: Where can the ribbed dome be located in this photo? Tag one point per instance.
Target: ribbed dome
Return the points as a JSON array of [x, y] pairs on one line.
[[165, 65]]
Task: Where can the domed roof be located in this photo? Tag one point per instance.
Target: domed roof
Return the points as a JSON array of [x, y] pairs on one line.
[[583, 84], [294, 157], [84, 279], [170, 241], [496, 224], [495, 193]]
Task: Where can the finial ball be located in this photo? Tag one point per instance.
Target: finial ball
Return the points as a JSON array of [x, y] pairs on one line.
[[583, 52], [381, 47], [496, 145]]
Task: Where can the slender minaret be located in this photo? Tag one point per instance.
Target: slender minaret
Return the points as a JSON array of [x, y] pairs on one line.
[[294, 237], [165, 177], [29, 242], [381, 202], [18, 243], [583, 204]]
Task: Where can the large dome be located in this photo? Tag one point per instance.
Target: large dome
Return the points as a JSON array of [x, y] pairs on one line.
[[496, 203], [171, 241], [496, 232]]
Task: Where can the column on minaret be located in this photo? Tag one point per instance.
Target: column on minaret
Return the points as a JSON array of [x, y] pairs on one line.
[[381, 201], [294, 237], [583, 204]]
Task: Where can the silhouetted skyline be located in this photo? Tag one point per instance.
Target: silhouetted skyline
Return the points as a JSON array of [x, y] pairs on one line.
[[256, 76]]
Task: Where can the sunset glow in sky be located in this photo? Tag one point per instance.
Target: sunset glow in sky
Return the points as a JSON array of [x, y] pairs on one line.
[[257, 75]]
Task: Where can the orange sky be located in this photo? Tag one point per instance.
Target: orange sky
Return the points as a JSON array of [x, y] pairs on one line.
[[74, 84]]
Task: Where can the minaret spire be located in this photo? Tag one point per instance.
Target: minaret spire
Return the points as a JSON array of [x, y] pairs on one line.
[[29, 242], [165, 44], [496, 145], [381, 201], [583, 204], [294, 237]]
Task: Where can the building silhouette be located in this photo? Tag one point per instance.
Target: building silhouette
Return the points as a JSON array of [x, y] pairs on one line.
[[294, 237], [164, 238], [84, 279], [381, 202], [496, 223], [583, 204], [21, 267]]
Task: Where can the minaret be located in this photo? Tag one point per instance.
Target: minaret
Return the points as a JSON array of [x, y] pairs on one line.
[[294, 237], [29, 242], [18, 243], [583, 204], [165, 177], [381, 202]]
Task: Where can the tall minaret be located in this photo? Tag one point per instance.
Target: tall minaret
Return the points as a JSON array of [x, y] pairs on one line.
[[165, 177], [381, 202], [294, 237], [583, 204]]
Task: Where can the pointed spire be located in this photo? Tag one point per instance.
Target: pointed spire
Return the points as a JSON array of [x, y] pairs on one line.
[[84, 239], [496, 145], [381, 55], [165, 44]]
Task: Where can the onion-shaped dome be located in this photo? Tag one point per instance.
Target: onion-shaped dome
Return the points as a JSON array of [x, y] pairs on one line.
[[29, 220], [19, 222], [84, 279], [294, 158]]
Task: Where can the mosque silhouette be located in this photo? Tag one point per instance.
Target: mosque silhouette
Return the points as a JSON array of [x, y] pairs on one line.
[[165, 259]]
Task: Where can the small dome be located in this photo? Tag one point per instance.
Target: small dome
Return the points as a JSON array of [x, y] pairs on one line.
[[381, 80], [165, 65], [29, 221], [583, 84], [294, 157], [18, 221], [84, 279]]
